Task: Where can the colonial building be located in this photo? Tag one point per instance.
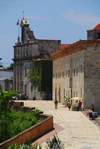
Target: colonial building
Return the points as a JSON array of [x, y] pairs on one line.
[[27, 50], [76, 70]]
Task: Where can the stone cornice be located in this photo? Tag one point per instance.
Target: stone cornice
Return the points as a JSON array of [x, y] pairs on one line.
[[74, 48]]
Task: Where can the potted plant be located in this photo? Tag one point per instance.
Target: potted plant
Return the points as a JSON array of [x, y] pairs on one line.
[[66, 101]]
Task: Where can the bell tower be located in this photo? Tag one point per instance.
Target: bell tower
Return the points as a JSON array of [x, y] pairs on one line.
[[25, 28]]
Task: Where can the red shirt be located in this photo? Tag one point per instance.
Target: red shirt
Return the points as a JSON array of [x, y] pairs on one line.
[[80, 103]]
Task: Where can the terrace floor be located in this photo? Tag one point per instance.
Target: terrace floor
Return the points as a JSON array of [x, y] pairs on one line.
[[73, 128]]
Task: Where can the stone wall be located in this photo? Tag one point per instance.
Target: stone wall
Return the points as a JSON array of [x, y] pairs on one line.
[[49, 46], [92, 78], [93, 34], [68, 76], [24, 53], [7, 85]]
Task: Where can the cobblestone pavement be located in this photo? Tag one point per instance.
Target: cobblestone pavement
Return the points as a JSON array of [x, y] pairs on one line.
[[78, 131]]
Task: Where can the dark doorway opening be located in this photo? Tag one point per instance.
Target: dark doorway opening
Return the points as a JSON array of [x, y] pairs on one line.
[[98, 36]]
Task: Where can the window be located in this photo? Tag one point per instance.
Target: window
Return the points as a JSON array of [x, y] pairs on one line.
[[64, 92], [26, 89], [98, 36], [63, 74], [76, 71], [81, 68], [68, 73], [25, 72], [58, 74], [74, 94]]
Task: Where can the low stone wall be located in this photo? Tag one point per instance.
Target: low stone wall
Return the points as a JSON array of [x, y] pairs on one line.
[[88, 111], [98, 120], [31, 133]]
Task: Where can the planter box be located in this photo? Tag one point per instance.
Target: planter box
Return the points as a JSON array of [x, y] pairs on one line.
[[31, 133]]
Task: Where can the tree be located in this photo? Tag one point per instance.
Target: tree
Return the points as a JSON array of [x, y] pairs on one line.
[[5, 114], [11, 67], [34, 76]]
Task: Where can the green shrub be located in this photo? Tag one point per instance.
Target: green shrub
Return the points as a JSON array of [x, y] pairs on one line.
[[23, 146], [54, 143], [42, 119], [23, 109], [37, 111], [20, 122]]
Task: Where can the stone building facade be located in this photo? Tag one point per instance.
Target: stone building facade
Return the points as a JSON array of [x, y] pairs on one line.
[[6, 85], [76, 72], [94, 33], [25, 51]]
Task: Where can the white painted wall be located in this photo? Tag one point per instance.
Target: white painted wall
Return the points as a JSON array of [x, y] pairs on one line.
[[5, 74]]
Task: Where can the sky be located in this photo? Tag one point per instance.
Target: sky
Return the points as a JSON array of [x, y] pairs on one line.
[[65, 20]]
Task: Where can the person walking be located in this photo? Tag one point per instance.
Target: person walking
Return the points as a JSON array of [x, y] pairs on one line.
[[92, 107], [76, 108], [80, 104], [56, 103], [69, 105]]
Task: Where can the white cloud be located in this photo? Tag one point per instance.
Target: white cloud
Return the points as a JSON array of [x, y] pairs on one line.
[[37, 18], [82, 19]]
